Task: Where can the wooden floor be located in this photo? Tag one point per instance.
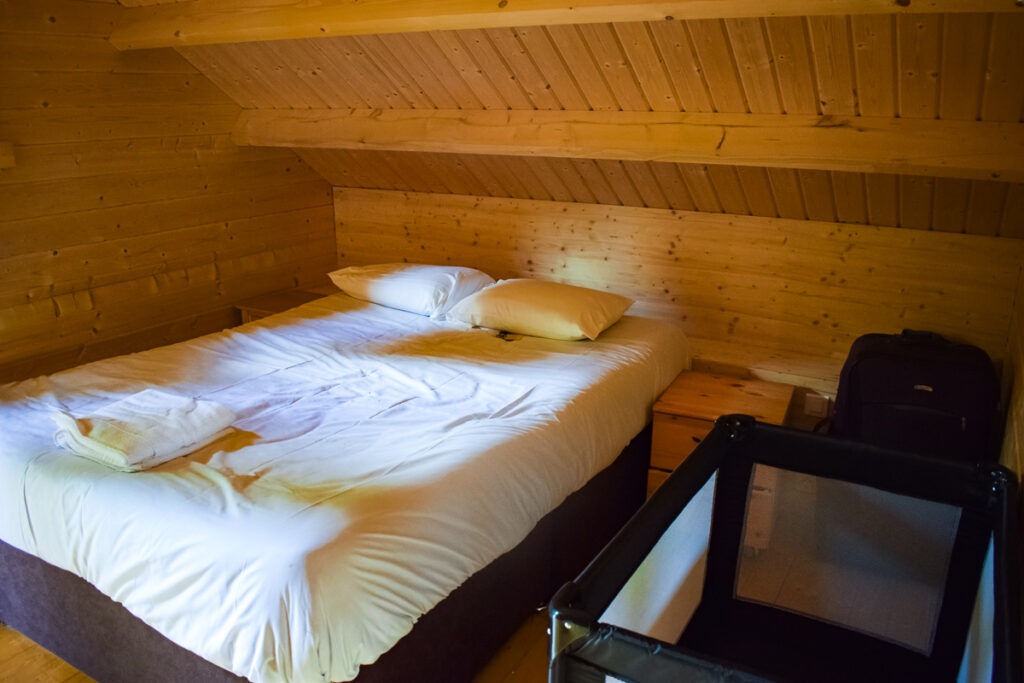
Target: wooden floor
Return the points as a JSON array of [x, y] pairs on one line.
[[523, 659], [22, 661]]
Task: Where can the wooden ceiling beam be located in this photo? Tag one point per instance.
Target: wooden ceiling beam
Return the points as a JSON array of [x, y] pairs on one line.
[[955, 149], [6, 155], [203, 22]]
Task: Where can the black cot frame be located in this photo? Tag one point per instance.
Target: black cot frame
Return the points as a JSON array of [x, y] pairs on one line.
[[584, 650], [449, 644]]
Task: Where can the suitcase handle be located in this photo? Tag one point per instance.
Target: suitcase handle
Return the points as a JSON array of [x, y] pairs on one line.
[[924, 336]]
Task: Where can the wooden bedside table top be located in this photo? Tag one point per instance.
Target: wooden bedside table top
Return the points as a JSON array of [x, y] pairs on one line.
[[706, 396], [275, 302]]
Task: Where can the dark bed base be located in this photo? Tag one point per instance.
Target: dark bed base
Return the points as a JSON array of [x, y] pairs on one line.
[[99, 637]]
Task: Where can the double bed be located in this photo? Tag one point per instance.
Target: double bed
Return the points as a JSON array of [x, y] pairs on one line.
[[396, 494]]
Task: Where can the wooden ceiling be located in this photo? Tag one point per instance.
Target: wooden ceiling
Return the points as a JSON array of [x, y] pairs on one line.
[[958, 77]]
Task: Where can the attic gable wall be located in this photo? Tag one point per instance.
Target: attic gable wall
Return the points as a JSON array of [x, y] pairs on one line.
[[129, 218]]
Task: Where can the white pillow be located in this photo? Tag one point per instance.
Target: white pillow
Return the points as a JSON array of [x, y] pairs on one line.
[[542, 309], [426, 290]]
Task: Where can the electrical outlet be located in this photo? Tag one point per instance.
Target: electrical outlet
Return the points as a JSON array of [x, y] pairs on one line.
[[816, 405]]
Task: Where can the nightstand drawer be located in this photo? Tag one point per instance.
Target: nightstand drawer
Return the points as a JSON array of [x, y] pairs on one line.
[[674, 438]]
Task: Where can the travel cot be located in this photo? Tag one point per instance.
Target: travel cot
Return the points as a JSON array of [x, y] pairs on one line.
[[883, 566]]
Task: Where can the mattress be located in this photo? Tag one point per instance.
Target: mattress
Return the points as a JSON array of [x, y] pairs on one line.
[[379, 459]]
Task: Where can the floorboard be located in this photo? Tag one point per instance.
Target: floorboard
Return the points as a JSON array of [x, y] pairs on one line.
[[22, 661]]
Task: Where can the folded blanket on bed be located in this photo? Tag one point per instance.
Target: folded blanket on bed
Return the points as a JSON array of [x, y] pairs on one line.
[[143, 430]]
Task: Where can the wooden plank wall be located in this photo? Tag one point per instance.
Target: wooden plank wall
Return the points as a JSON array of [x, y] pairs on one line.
[[1013, 443], [129, 218], [779, 298]]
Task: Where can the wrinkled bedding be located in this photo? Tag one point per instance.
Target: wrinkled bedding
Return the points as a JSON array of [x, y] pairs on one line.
[[378, 459]]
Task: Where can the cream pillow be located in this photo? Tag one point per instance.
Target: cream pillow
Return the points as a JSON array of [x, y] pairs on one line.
[[542, 309], [426, 290]]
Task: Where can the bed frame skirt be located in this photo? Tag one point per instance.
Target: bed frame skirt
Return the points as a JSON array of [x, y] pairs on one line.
[[68, 616]]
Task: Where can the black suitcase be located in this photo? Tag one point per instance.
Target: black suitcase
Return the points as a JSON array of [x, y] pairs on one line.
[[918, 392]]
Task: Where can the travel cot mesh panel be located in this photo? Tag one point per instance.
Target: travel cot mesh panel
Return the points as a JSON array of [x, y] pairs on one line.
[[825, 559]]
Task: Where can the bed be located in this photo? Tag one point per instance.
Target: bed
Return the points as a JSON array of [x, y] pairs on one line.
[[386, 472]]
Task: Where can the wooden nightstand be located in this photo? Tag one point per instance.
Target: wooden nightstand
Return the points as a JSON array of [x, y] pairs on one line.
[[687, 410], [274, 302]]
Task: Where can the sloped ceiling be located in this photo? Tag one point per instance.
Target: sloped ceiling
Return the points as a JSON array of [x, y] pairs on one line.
[[929, 67]]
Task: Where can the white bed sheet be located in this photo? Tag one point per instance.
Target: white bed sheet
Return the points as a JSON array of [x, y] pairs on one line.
[[380, 458]]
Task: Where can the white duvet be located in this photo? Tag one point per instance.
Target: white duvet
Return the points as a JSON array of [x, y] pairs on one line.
[[379, 458]]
